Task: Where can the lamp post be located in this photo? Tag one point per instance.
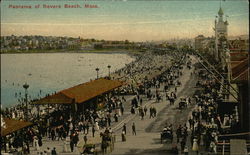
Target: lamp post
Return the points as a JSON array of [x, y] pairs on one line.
[[109, 70], [97, 70], [26, 86]]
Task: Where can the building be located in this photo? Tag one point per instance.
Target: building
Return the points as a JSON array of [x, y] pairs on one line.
[[239, 75], [239, 44], [205, 44], [221, 37], [198, 42]]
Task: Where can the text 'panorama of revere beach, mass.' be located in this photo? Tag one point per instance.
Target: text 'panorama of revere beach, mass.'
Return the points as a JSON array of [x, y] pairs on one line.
[[51, 6]]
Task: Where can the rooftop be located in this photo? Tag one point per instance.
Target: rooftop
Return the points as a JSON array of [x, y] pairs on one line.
[[82, 92], [240, 66], [12, 125]]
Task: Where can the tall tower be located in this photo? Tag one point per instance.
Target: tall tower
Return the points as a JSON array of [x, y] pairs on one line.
[[221, 35]]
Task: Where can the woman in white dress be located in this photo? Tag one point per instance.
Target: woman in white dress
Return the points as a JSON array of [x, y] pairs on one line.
[[195, 147], [213, 147], [226, 120], [119, 112], [66, 145], [97, 128], [37, 147]]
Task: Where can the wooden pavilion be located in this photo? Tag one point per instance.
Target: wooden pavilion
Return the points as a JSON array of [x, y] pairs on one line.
[[12, 125], [82, 93]]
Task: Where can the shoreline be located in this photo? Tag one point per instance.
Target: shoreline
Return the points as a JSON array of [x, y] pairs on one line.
[[129, 53], [102, 51]]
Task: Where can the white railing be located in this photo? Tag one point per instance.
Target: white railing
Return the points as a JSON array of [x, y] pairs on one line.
[[223, 148]]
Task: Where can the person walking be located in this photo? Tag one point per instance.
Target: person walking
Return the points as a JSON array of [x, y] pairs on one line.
[[104, 146], [178, 133], [151, 112], [132, 110], [145, 110], [109, 121], [87, 127], [183, 143], [53, 134], [142, 114], [191, 123], [60, 133], [185, 150], [124, 128], [26, 149], [40, 143], [195, 147], [97, 126], [66, 145], [122, 110], [53, 152], [72, 145], [116, 117], [84, 127], [93, 131], [76, 138], [133, 129], [154, 112], [36, 144], [123, 136], [85, 139], [48, 151]]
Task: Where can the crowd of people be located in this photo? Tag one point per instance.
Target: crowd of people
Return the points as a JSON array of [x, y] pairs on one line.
[[147, 72], [205, 123], [58, 125]]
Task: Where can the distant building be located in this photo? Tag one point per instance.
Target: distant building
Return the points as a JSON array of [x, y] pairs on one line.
[[239, 44], [198, 42], [204, 44]]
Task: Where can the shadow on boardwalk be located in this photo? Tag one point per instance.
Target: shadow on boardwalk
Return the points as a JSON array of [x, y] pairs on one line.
[[164, 151]]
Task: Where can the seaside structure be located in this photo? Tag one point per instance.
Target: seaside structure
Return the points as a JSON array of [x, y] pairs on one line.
[[9, 126], [235, 70], [83, 93], [230, 57], [221, 37], [239, 76]]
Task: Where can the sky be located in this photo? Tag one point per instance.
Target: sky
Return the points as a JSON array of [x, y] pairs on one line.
[[135, 20]]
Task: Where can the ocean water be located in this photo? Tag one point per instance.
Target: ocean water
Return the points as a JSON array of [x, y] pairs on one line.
[[47, 73]]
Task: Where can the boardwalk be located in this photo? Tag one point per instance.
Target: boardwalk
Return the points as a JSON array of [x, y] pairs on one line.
[[147, 140]]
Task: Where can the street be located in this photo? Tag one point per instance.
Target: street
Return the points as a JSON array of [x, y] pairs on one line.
[[147, 140]]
